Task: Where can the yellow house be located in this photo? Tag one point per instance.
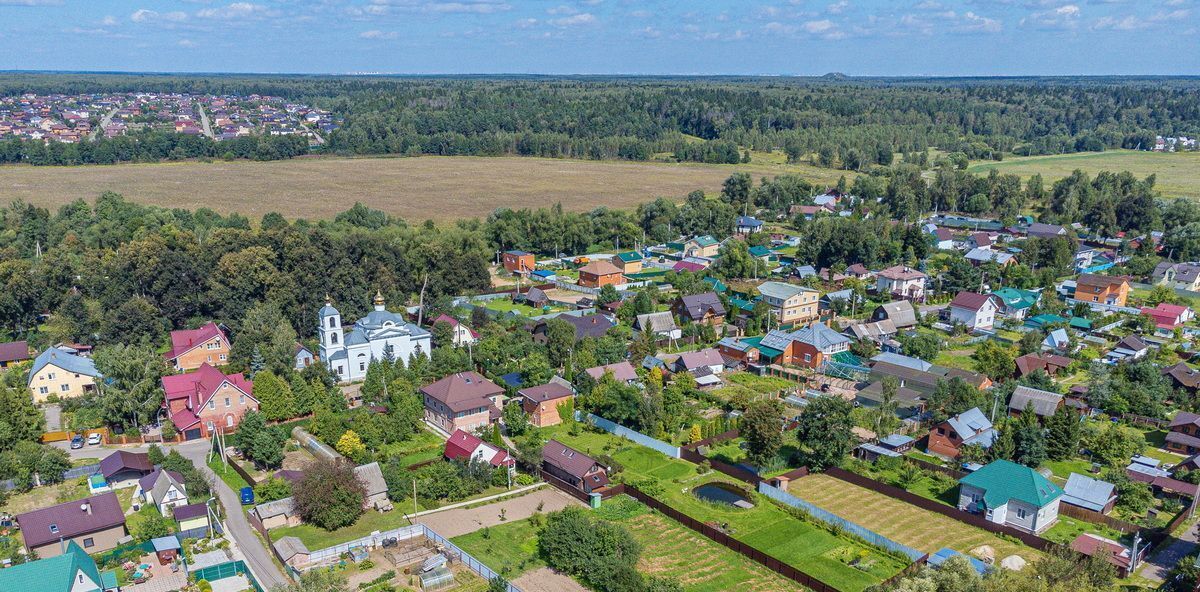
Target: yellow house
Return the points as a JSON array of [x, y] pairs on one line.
[[58, 372], [791, 304]]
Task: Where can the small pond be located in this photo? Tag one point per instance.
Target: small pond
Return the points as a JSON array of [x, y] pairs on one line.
[[723, 493]]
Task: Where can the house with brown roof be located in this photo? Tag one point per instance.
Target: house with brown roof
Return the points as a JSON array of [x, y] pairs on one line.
[[202, 402], [1183, 433], [705, 308], [541, 402], [593, 325], [901, 281], [622, 371], [976, 311], [124, 468], [573, 467], [598, 274], [1043, 403], [1051, 364], [462, 401], [1183, 376], [96, 523], [1104, 289], [192, 347], [14, 352]]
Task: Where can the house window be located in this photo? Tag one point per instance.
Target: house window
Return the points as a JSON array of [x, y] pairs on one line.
[[227, 402], [87, 543], [241, 399], [331, 323], [362, 366], [212, 404], [228, 421], [64, 388], [54, 529], [808, 357], [941, 432], [1021, 513], [223, 357], [43, 390], [333, 338], [210, 427]]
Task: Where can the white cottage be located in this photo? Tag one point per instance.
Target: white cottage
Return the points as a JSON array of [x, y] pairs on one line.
[[379, 335]]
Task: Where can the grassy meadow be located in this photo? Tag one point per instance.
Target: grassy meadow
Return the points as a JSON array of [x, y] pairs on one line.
[[1178, 175]]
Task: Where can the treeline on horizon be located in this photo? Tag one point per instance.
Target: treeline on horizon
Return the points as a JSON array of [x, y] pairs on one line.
[[113, 271], [835, 122]]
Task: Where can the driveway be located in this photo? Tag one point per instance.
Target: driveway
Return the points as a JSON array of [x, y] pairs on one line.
[[53, 417], [452, 523], [1156, 567]]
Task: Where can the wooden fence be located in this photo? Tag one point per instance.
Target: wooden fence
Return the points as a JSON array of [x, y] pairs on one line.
[[936, 468], [1029, 539], [1098, 518]]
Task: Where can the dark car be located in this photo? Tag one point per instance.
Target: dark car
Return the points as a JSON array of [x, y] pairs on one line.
[[76, 442]]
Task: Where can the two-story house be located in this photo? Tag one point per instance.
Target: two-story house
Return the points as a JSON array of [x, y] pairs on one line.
[[575, 468], [541, 402], [947, 439], [462, 401], [202, 402], [598, 274], [162, 489], [790, 303], [705, 308], [976, 311], [1104, 289], [901, 281], [192, 347], [1183, 433], [1014, 495], [519, 262], [59, 372]]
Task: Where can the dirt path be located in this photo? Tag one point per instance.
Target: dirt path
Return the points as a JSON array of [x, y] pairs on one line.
[[544, 579], [452, 523]]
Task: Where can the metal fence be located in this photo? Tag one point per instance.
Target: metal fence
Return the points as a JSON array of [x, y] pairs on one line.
[[223, 571], [403, 533], [71, 473], [635, 436], [827, 517], [474, 564]]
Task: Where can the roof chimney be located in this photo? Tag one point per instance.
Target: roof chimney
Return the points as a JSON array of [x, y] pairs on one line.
[[86, 507]]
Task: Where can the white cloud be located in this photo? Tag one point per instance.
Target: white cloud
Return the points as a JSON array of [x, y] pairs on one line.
[[142, 15], [838, 7], [1062, 18], [186, 43], [237, 10], [779, 28], [561, 9], [377, 34], [472, 7], [821, 26], [583, 18], [1134, 23], [109, 21], [150, 16], [973, 22], [648, 32]]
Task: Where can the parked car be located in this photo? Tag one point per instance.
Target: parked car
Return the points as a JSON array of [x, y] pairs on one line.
[[76, 442], [93, 439]]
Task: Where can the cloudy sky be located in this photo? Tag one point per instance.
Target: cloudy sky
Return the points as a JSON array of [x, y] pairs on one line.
[[803, 37]]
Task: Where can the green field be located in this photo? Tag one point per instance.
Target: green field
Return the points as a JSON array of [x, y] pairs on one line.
[[511, 549], [767, 527], [1178, 175]]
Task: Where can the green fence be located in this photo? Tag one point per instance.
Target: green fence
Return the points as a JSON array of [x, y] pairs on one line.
[[213, 573]]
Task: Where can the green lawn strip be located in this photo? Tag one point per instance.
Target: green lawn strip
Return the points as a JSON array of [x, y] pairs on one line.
[[421, 447], [804, 545], [1067, 529], [762, 384], [1062, 469], [510, 549], [226, 473]]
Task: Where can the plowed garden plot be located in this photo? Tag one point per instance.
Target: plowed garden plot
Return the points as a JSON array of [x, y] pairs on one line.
[[900, 521]]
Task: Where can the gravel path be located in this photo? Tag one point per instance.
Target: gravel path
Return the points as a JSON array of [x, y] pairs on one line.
[[452, 523]]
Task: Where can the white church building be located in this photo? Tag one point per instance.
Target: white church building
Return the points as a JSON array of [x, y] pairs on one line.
[[373, 337]]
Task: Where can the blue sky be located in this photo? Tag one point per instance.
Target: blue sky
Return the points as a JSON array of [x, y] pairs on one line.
[[801, 37]]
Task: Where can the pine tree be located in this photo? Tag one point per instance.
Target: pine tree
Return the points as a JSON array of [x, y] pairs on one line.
[[275, 398], [372, 387], [1004, 447], [256, 363], [304, 395], [1064, 432]]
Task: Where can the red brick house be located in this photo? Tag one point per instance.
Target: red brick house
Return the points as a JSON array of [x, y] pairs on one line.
[[462, 401], [946, 439], [519, 262], [192, 347], [575, 468], [206, 401], [598, 274], [541, 402]]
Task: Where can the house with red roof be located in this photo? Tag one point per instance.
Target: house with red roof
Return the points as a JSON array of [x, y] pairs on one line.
[[192, 347], [14, 352], [541, 402], [461, 334], [202, 402], [1168, 317], [573, 467], [464, 445], [462, 401], [976, 311]]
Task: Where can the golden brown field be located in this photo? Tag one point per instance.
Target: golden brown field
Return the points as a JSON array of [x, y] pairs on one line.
[[416, 189]]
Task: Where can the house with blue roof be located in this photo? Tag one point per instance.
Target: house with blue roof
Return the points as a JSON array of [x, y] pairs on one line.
[[971, 427], [747, 225], [1007, 493], [59, 372], [380, 335], [72, 571]]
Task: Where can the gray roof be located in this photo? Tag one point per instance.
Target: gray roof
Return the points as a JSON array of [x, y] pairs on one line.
[[163, 483], [782, 290], [820, 336], [166, 543], [901, 312], [327, 311], [776, 339], [355, 337], [1086, 492], [271, 509], [877, 330], [658, 322], [986, 254], [1045, 403], [371, 476], [973, 427], [290, 546], [697, 305], [67, 361], [902, 360]]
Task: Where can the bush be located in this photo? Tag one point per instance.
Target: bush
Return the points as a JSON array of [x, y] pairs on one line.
[[329, 495]]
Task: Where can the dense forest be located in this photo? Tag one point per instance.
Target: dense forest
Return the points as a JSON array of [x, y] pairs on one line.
[[834, 122]]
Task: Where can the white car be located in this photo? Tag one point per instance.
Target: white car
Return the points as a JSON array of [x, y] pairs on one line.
[[93, 439]]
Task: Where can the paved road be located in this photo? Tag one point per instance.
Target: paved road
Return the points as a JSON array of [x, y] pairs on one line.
[[257, 557], [204, 120], [1156, 567], [104, 121], [256, 554]]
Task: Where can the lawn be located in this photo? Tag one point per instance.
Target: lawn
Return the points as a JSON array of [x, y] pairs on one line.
[[902, 522], [1177, 175], [46, 495], [1062, 469], [315, 537], [1067, 529], [227, 474], [503, 306], [1155, 440], [956, 358], [761, 384], [424, 446], [671, 550], [768, 527], [511, 549]]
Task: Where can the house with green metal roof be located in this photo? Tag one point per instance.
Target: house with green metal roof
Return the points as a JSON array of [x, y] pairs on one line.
[[1045, 320], [1014, 495], [718, 286], [72, 571], [1016, 303]]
